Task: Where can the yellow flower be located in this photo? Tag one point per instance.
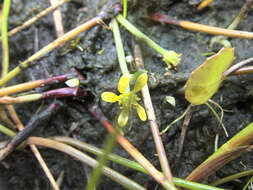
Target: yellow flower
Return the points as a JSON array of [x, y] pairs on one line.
[[127, 99], [171, 58]]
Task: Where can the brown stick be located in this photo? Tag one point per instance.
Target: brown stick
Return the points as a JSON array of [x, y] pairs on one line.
[[57, 19], [34, 149], [152, 119]]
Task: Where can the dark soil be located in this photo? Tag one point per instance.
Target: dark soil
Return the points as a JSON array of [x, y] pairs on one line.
[[20, 170]]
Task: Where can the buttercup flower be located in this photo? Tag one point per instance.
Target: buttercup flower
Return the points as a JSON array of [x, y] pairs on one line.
[[127, 99]]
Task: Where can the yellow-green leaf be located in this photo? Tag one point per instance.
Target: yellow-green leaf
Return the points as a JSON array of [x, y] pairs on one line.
[[206, 79], [123, 118], [123, 83], [140, 82], [141, 112], [109, 97]]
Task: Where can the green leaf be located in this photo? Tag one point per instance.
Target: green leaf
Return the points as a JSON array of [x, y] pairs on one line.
[[206, 79]]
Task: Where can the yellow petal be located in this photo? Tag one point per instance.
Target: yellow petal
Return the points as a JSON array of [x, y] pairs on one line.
[[109, 97], [140, 82], [141, 112], [123, 118], [123, 83]]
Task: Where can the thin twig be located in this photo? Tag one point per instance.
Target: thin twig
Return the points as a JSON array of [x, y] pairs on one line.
[[235, 68], [34, 19], [158, 176], [201, 27], [152, 119], [59, 41], [5, 47], [124, 181], [26, 132], [186, 122], [34, 149], [57, 19]]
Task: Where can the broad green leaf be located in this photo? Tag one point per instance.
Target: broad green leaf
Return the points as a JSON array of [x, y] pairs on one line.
[[206, 79]]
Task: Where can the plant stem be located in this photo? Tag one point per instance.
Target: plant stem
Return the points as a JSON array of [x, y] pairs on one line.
[[37, 83], [97, 151], [96, 173], [204, 4], [59, 41], [119, 47], [159, 177], [128, 163], [124, 8], [5, 48], [233, 177], [227, 152], [170, 57], [124, 181], [57, 93], [201, 27], [235, 69], [30, 127], [35, 18], [152, 119]]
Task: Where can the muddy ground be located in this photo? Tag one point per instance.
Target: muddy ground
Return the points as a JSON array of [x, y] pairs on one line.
[[21, 170]]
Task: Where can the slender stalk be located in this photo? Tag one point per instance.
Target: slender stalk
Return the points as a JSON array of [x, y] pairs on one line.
[[128, 163], [233, 177], [97, 151], [246, 186], [227, 152], [5, 48], [119, 47], [57, 19], [159, 177], [96, 173], [7, 131], [201, 27], [30, 127], [37, 83], [236, 67], [124, 8], [204, 4], [126, 182], [57, 93], [34, 19], [59, 41], [169, 57], [176, 120], [152, 119], [243, 71]]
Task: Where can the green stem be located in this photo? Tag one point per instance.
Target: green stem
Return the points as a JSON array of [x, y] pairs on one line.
[[128, 163], [119, 47], [232, 177], [170, 57], [7, 131], [124, 8], [96, 173], [117, 177], [4, 33]]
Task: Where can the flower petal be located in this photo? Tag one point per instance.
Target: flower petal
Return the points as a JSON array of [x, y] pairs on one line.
[[141, 112], [140, 82], [123, 118], [109, 97], [123, 83]]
